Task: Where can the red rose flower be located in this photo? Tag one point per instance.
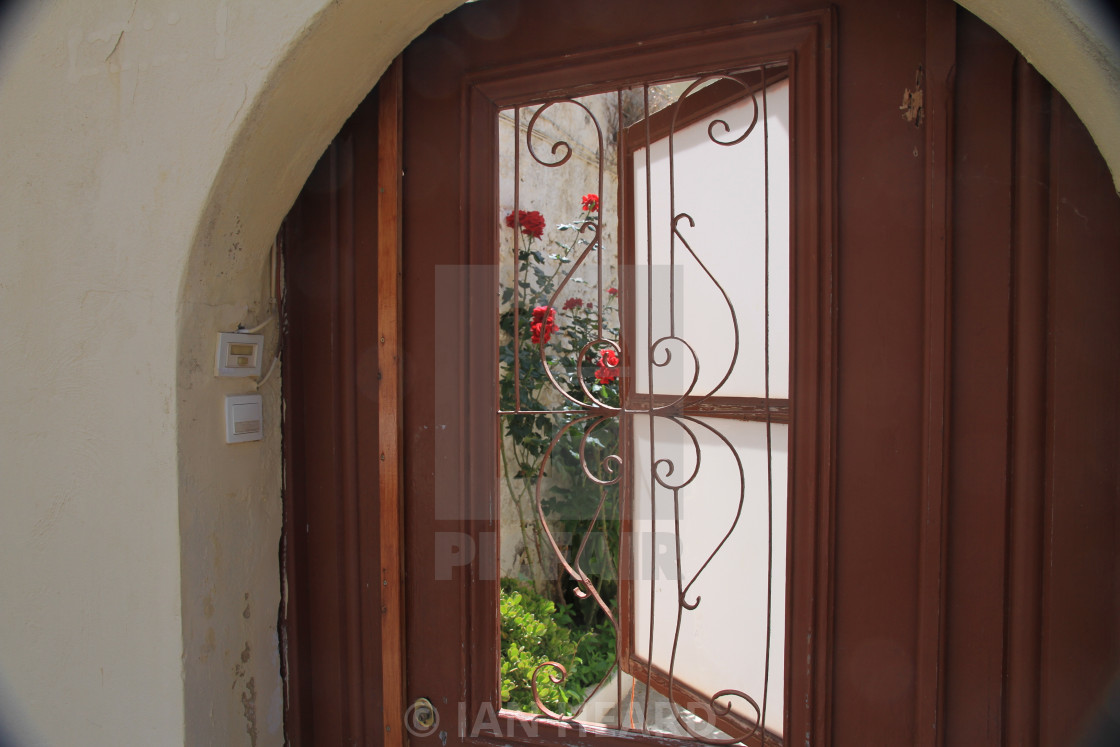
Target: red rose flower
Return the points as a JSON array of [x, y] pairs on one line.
[[573, 303], [532, 222], [544, 323], [591, 202], [612, 291], [608, 366]]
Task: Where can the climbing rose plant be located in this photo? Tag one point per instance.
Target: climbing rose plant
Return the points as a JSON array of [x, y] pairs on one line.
[[541, 338]]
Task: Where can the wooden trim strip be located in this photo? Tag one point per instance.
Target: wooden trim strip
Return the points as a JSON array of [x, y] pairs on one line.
[[390, 409], [346, 480], [734, 408], [940, 58], [478, 401], [1026, 471], [742, 45], [814, 235]]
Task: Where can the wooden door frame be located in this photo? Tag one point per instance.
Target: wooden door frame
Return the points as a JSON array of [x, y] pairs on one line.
[[390, 419], [804, 40], [338, 346]]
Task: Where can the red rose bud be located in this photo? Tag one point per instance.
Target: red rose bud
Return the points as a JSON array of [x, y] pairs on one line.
[[544, 324]]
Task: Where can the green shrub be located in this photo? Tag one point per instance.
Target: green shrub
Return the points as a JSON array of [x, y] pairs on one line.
[[532, 635]]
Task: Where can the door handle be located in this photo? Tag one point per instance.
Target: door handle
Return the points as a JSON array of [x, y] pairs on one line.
[[422, 717]]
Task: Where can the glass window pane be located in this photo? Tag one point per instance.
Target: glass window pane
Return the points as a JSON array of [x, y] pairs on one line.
[[733, 221], [731, 548]]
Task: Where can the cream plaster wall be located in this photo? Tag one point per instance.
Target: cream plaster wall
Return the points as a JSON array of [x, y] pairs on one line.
[[148, 151]]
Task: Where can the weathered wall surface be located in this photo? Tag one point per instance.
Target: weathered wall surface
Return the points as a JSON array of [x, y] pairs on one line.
[[149, 150]]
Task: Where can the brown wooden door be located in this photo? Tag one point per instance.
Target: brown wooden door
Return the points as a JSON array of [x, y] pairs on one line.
[[962, 583]]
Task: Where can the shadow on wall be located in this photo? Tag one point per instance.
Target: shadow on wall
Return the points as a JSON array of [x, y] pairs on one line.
[[15, 727]]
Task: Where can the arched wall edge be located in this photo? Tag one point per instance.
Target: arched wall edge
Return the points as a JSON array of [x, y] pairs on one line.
[[230, 512]]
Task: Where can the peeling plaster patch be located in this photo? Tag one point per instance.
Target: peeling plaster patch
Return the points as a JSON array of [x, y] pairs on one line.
[[249, 702], [241, 669], [911, 108], [246, 613]]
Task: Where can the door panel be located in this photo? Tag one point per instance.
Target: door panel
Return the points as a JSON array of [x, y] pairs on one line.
[[332, 617], [1080, 589], [986, 87]]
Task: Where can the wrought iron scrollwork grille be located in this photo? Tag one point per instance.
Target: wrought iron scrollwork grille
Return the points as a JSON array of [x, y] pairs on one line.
[[602, 367]]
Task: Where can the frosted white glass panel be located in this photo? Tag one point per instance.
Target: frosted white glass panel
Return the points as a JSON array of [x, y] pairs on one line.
[[722, 188], [723, 641]]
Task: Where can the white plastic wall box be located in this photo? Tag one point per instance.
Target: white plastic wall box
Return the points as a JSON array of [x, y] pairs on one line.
[[239, 354], [244, 418]]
